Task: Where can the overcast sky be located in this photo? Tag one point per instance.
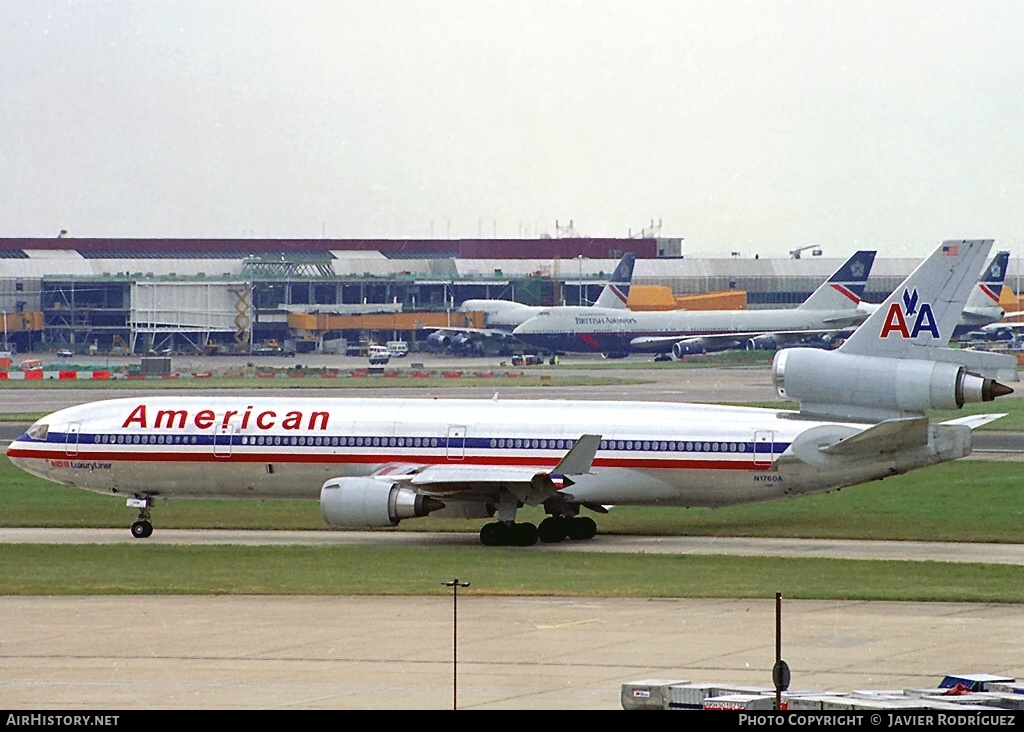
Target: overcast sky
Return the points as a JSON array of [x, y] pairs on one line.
[[739, 125]]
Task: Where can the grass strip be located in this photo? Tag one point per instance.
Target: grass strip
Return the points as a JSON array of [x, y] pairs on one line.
[[965, 500], [32, 569]]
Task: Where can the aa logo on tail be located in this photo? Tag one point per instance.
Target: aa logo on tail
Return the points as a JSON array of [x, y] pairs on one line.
[[898, 318]]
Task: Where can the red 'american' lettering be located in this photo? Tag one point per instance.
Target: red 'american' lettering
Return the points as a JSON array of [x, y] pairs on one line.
[[267, 419]]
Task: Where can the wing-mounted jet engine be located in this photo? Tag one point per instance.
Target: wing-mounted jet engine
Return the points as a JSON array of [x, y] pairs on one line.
[[370, 503]]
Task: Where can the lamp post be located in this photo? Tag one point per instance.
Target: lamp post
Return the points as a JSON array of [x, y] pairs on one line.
[[780, 671], [579, 258], [455, 584]]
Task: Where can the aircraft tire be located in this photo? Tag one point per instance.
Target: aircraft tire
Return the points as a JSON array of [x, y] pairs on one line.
[[582, 528], [142, 529], [494, 534], [524, 534], [553, 529]]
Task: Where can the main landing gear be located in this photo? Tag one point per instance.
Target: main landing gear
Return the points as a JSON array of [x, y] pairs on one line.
[[553, 529], [142, 528]]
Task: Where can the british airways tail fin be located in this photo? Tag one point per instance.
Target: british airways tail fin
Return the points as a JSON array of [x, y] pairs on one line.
[[844, 289], [920, 315], [990, 286], [616, 292]]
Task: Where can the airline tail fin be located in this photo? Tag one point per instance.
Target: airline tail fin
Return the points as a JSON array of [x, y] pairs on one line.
[[896, 364], [920, 315], [616, 292], [844, 289], [990, 286]]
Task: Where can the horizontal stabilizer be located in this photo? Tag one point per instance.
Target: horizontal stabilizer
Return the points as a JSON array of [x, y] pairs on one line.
[[987, 364], [975, 421], [892, 435]]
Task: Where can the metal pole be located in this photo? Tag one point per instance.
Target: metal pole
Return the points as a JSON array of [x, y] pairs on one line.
[[778, 645], [780, 672], [580, 258], [455, 585]]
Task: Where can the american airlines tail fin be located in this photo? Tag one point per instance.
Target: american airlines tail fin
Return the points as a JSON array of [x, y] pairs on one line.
[[844, 289], [896, 365], [616, 292], [920, 315]]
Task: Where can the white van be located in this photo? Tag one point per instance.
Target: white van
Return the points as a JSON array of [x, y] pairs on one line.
[[378, 354], [398, 349]]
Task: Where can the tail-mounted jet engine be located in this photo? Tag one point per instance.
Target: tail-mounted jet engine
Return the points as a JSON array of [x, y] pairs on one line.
[[873, 386]]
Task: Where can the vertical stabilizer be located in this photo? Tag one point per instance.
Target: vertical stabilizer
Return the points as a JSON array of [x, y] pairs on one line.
[[921, 313], [990, 286], [844, 289], [616, 292]]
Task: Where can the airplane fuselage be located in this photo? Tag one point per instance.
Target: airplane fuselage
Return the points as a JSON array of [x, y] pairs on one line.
[[659, 454], [504, 314], [580, 330]]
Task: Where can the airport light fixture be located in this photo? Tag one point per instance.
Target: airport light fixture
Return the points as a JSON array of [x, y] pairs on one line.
[[579, 259], [455, 584]]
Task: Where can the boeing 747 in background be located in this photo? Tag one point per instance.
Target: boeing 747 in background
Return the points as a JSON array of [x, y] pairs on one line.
[[831, 308], [502, 316], [377, 462]]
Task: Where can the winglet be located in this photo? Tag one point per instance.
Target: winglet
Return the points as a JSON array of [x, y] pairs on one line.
[[579, 458]]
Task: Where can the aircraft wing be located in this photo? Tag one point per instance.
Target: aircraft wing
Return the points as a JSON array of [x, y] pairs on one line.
[[726, 341], [481, 332], [664, 344], [463, 338], [530, 484]]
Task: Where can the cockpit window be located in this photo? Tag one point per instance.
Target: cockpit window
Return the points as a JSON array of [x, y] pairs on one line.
[[39, 431]]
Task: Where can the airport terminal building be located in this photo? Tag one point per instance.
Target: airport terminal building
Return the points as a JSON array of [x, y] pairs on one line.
[[229, 295]]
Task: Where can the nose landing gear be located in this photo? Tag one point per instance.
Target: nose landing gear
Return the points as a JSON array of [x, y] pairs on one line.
[[142, 528]]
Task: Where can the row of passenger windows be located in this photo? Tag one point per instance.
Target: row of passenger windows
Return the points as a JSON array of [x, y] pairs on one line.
[[535, 444], [665, 446], [147, 439], [345, 441]]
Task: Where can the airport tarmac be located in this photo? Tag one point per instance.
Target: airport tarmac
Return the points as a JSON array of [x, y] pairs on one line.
[[529, 653], [512, 653]]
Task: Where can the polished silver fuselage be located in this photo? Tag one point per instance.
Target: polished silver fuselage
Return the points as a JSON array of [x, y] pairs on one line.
[[650, 453]]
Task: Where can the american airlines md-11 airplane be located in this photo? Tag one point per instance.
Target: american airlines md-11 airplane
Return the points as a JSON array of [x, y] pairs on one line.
[[376, 462]]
